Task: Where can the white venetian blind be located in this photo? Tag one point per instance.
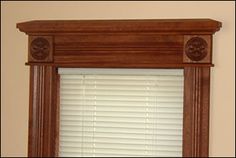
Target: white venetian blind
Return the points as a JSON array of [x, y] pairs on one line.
[[121, 112]]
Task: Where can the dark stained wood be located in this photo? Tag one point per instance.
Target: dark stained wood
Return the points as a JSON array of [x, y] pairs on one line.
[[40, 49], [198, 46], [56, 119], [119, 44], [120, 65], [196, 26], [196, 111], [43, 111], [143, 43], [118, 49]]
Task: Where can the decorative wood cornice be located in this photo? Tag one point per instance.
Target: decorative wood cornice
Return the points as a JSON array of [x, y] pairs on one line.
[[120, 43], [180, 26]]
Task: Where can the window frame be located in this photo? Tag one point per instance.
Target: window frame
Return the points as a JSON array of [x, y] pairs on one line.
[[52, 45]]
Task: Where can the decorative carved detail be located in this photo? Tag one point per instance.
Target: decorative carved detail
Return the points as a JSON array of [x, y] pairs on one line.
[[40, 48], [196, 48]]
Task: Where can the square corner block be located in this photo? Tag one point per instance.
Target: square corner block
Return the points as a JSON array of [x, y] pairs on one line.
[[40, 49], [197, 49]]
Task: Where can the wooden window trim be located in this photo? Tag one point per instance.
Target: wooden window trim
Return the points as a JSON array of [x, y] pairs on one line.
[[178, 43]]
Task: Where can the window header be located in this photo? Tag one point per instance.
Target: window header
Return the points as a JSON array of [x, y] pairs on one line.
[[180, 26]]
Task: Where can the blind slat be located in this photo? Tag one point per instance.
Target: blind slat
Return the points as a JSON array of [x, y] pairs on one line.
[[122, 114], [114, 150], [123, 146], [125, 131], [121, 119]]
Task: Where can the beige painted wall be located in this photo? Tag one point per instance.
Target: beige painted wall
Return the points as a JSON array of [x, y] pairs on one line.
[[15, 75]]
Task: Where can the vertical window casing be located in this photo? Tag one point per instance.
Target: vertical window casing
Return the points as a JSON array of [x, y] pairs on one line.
[[121, 112]]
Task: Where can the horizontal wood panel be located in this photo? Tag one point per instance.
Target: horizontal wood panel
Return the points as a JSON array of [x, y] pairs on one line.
[[119, 41], [140, 59], [117, 49]]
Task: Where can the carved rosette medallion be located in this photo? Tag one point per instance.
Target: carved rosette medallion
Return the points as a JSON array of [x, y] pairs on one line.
[[196, 48], [40, 48]]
